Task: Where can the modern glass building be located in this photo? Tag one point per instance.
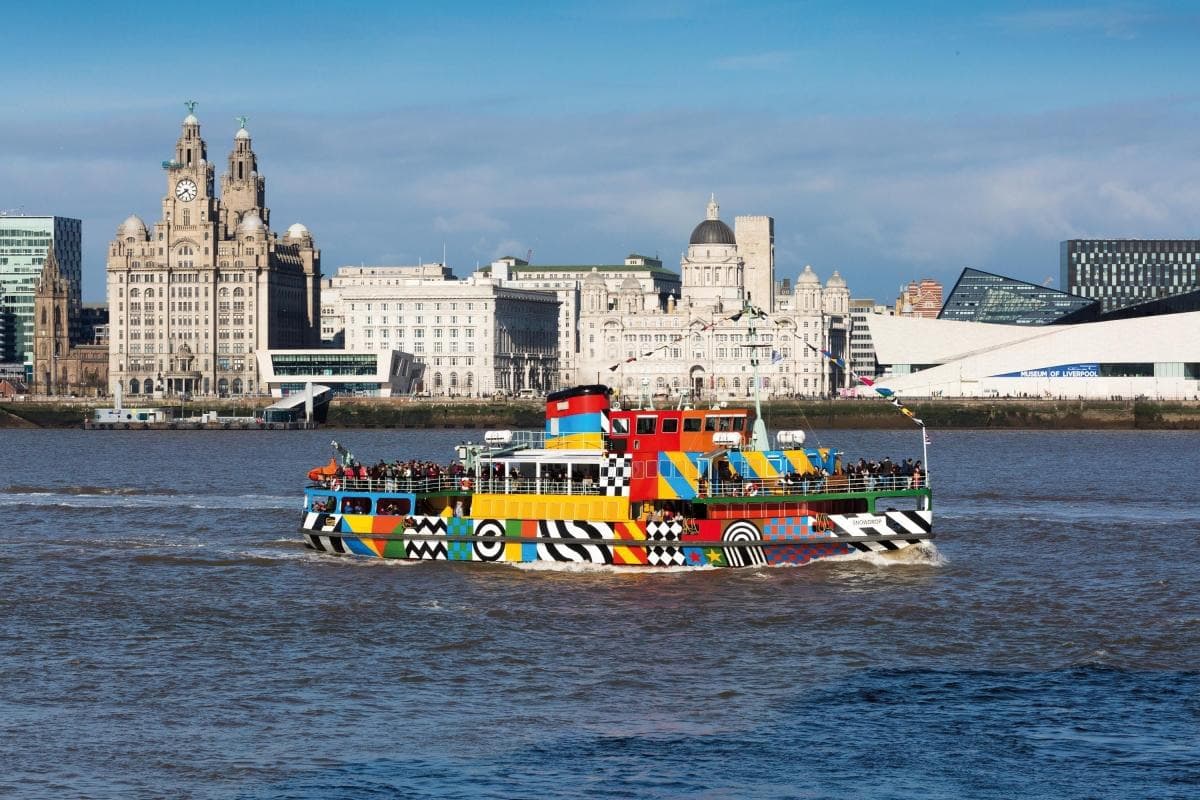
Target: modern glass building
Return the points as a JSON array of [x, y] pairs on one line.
[[1125, 272], [984, 297], [384, 373], [24, 242]]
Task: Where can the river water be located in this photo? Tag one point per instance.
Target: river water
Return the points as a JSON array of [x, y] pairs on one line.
[[163, 633]]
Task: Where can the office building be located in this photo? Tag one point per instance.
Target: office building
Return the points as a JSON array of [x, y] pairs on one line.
[[24, 242], [1125, 272]]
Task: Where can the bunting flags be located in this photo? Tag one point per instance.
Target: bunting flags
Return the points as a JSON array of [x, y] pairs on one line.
[[882, 391]]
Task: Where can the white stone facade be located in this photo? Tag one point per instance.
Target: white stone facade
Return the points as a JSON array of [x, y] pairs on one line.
[[474, 337], [191, 301], [692, 344]]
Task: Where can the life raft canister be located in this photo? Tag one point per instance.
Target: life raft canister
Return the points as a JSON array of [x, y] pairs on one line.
[[465, 484], [752, 490]]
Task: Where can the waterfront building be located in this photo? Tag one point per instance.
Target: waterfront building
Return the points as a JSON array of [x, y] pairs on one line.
[[381, 373], [474, 337], [1124, 272], [191, 300], [566, 281], [862, 345], [24, 242], [634, 338], [1156, 357], [980, 296], [921, 298], [61, 367]]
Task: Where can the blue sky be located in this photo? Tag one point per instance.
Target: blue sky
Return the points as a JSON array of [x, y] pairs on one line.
[[889, 141]]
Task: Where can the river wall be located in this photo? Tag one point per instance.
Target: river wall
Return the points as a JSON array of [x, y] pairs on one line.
[[780, 414]]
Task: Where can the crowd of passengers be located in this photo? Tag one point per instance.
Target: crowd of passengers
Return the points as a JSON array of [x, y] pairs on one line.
[[411, 475], [885, 475]]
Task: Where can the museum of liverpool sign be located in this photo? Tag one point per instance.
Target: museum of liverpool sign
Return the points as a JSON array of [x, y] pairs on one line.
[[1061, 371]]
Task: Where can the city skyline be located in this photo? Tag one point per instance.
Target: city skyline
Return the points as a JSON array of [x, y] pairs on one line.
[[887, 145]]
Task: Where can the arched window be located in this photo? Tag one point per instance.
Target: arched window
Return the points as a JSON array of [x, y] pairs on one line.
[[737, 383], [239, 292], [720, 383], [237, 386], [470, 380], [223, 387], [149, 293], [224, 292], [148, 387], [453, 380], [437, 380], [134, 386], [134, 293]]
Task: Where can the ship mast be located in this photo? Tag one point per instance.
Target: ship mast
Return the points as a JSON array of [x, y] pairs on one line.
[[759, 439]]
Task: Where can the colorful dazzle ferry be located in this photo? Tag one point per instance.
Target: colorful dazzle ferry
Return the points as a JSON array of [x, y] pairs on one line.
[[637, 487]]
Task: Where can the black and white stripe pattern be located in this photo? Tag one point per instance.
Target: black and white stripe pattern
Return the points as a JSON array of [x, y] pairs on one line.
[[574, 542], [320, 521], [325, 544], [744, 555], [901, 527]]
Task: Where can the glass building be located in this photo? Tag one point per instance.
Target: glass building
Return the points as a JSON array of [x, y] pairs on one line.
[[983, 297], [24, 242], [1125, 272]]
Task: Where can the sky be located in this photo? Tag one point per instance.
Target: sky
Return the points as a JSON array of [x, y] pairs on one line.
[[889, 141]]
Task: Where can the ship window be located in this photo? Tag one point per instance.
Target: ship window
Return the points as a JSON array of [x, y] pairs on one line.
[[328, 503], [646, 425], [620, 426], [356, 505], [394, 506], [670, 425], [710, 424], [739, 423], [691, 425], [726, 423]]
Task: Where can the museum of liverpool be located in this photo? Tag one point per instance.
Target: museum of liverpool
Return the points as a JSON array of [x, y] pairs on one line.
[[999, 337]]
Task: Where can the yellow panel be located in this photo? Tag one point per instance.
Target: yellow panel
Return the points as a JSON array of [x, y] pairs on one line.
[[512, 552], [533, 506], [359, 523]]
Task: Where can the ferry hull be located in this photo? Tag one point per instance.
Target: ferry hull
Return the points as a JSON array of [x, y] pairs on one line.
[[699, 543]]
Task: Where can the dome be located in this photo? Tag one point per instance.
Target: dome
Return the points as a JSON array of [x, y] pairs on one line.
[[297, 231], [250, 223], [630, 284], [712, 231], [594, 278], [835, 281], [242, 134], [810, 277], [133, 227], [190, 119]]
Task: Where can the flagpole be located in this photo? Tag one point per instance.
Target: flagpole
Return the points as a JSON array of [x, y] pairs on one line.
[[925, 454]]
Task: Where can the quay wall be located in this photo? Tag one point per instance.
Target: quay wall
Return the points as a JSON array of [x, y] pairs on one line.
[[780, 414]]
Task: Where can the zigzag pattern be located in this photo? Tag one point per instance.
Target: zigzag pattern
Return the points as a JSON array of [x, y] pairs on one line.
[[425, 550]]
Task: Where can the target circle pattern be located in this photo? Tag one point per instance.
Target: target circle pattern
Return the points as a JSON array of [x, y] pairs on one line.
[[742, 531], [489, 550]]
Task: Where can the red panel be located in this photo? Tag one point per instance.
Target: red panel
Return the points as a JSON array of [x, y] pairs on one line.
[[584, 404]]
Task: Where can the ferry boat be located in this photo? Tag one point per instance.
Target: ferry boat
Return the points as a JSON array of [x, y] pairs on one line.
[[602, 484]]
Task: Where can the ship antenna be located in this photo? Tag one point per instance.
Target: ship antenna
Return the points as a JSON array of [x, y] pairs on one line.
[[758, 439]]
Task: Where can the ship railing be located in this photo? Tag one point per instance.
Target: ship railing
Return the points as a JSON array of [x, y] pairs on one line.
[[832, 484], [514, 484]]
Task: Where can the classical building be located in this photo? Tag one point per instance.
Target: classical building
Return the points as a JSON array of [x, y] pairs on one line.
[[61, 367], [566, 281], [1124, 272], [23, 245], [193, 299], [636, 339], [474, 338]]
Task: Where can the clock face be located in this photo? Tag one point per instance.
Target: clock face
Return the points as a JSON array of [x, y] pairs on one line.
[[186, 189]]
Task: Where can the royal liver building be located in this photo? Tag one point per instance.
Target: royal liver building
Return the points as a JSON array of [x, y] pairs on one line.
[[698, 340], [192, 299]]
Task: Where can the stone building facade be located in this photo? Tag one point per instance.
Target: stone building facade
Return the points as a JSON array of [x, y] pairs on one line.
[[691, 343], [475, 338], [59, 366], [192, 300]]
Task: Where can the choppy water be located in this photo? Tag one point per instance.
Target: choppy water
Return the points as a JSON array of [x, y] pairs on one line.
[[163, 633]]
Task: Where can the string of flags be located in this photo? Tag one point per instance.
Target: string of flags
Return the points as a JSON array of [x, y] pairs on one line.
[[882, 391]]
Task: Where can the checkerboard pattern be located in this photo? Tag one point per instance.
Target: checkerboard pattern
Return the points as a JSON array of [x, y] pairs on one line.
[[616, 473]]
